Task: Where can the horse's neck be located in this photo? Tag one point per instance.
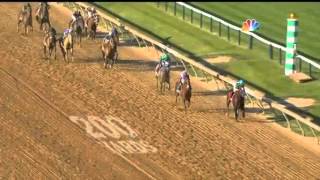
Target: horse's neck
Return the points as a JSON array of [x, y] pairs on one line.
[[112, 43]]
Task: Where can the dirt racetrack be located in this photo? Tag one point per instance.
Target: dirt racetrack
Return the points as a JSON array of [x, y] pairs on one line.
[[40, 140]]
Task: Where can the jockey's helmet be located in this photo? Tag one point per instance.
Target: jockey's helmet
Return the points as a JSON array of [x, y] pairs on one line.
[[165, 57], [241, 82]]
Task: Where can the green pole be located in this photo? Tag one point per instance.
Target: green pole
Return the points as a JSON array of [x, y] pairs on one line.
[[291, 44]]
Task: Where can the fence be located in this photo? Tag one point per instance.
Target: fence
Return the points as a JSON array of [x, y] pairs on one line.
[[235, 35], [198, 69]]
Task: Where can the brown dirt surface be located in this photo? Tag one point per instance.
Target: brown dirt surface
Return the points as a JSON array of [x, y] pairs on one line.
[[301, 102], [219, 59], [38, 140]]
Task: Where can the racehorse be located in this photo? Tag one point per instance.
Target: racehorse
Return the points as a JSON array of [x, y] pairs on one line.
[[184, 93], [49, 44], [91, 27], [25, 17], [237, 102], [163, 78], [66, 45], [42, 17], [108, 49], [78, 28]]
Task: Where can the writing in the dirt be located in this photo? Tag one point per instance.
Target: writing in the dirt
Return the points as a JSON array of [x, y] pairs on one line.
[[114, 134]]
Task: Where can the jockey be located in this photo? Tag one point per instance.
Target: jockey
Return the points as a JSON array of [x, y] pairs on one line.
[[184, 77], [41, 4], [91, 12], [76, 14], [164, 62], [26, 6], [29, 5], [239, 86]]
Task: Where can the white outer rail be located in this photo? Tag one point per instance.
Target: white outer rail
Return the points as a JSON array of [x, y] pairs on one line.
[[313, 63]]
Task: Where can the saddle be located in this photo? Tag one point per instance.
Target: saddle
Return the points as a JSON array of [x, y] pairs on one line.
[[232, 94]]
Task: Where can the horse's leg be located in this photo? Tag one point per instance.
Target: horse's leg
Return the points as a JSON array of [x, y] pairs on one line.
[[25, 30], [86, 32], [45, 51], [18, 26], [243, 110], [50, 52], [72, 59], [67, 55], [55, 52], [243, 113], [31, 26], [236, 109], [49, 22], [177, 94], [105, 61], [228, 103], [157, 80], [116, 54], [177, 97]]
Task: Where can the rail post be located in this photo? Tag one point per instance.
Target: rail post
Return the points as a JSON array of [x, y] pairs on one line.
[[183, 12], [280, 56], [166, 6], [201, 16], [300, 65], [219, 28], [228, 29], [239, 37], [271, 51], [191, 16], [310, 70], [250, 42]]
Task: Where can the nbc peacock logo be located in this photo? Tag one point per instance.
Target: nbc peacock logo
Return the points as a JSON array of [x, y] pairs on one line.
[[250, 25]]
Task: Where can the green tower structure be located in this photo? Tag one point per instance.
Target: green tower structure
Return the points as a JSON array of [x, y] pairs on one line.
[[291, 44]]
